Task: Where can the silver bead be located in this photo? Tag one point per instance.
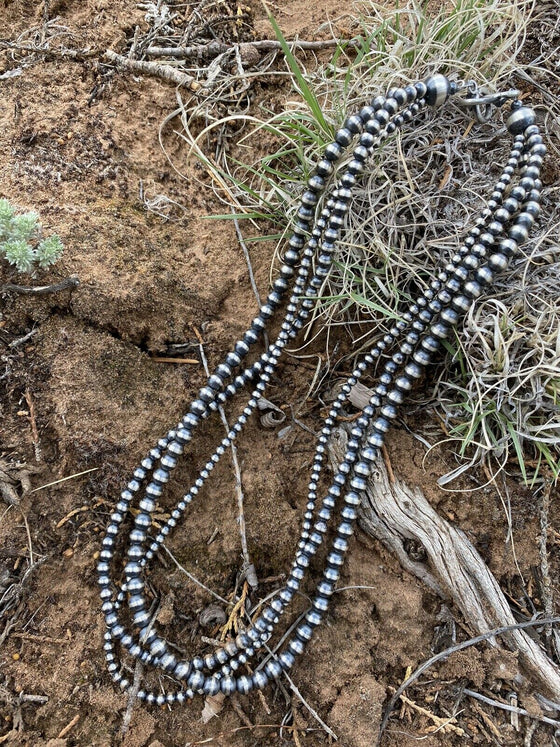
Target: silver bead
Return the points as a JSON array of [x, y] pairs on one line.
[[520, 119], [437, 90], [498, 262]]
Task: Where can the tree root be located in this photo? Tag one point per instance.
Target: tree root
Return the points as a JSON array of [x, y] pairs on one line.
[[392, 512]]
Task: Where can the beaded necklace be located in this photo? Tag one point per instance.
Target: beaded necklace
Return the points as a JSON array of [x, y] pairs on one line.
[[495, 237]]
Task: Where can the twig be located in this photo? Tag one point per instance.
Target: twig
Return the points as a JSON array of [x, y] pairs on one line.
[[215, 48], [193, 578], [512, 697], [38, 638], [248, 568], [63, 479], [42, 699], [443, 724], [451, 650], [510, 708], [211, 641], [30, 544], [243, 246], [165, 72], [70, 515], [388, 465], [69, 726], [531, 729], [132, 693], [545, 570], [24, 339], [12, 700], [314, 713], [67, 54], [33, 423], [240, 712], [40, 290], [163, 359]]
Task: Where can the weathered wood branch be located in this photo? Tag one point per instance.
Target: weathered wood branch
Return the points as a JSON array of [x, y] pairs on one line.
[[395, 512], [215, 48], [165, 72]]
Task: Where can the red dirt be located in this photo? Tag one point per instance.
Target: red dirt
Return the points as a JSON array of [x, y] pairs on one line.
[[76, 145]]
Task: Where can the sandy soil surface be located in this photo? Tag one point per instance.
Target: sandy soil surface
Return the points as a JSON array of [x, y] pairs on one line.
[[78, 143]]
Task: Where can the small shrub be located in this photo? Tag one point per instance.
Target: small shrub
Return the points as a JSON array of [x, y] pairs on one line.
[[20, 242]]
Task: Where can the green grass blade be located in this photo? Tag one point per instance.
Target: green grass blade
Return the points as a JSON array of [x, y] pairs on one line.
[[303, 86]]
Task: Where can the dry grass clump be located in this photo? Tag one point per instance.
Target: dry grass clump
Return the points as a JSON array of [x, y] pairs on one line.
[[499, 392]]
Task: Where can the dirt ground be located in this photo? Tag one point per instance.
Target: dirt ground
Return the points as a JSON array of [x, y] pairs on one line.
[[82, 389]]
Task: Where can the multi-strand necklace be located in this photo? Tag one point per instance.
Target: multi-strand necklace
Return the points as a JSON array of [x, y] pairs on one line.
[[408, 347]]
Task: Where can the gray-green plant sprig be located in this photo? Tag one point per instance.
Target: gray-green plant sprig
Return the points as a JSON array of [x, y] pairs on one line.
[[20, 240]]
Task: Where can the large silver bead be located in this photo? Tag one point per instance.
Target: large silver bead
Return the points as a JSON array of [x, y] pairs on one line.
[[520, 119], [437, 90]]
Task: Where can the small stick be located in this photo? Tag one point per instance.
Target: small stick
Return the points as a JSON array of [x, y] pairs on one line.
[[529, 732], [445, 724], [213, 536], [72, 513], [63, 479], [26, 524], [211, 641], [40, 290], [214, 48], [38, 639], [241, 713], [512, 697], [165, 72], [68, 54], [545, 569], [451, 650], [260, 693], [315, 715], [193, 578], [132, 693], [69, 726], [510, 708], [245, 250], [162, 359], [22, 340], [248, 567], [33, 698], [33, 423]]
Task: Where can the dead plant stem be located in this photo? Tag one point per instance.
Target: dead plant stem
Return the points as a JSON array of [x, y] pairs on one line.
[[165, 72], [248, 567], [215, 48], [247, 256], [510, 708], [451, 650]]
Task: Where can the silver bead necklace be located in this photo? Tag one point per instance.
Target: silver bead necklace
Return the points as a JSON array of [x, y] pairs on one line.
[[494, 238]]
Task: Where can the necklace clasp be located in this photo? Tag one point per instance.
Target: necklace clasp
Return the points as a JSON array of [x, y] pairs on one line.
[[483, 102]]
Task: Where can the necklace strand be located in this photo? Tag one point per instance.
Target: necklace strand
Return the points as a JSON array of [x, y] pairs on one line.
[[495, 237]]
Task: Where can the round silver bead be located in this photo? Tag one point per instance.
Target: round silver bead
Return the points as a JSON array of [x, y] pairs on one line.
[[437, 90], [520, 119]]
